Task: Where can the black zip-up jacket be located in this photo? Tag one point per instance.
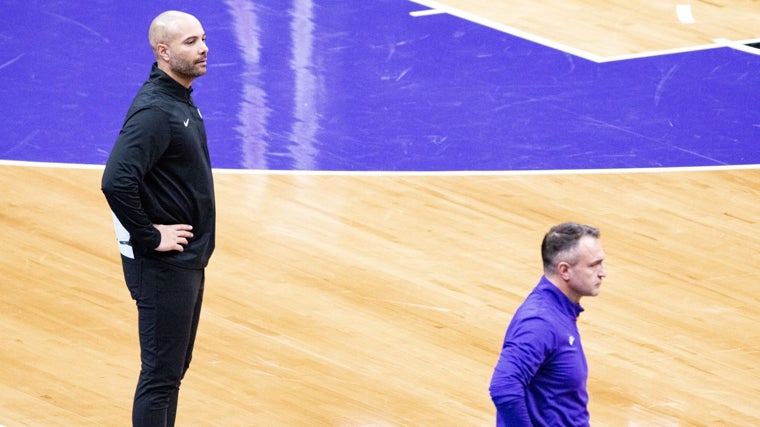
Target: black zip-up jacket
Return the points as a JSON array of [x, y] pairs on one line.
[[159, 172]]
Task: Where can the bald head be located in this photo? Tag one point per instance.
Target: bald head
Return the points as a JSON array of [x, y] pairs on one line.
[[179, 45], [167, 26]]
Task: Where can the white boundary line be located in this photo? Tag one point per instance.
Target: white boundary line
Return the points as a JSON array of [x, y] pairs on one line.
[[49, 164], [225, 171], [719, 43]]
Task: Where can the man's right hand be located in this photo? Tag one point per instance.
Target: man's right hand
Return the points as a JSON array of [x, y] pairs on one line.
[[174, 237]]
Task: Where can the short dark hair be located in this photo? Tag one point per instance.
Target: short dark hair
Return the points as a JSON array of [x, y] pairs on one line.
[[560, 240]]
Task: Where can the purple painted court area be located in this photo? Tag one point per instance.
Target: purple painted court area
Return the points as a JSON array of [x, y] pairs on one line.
[[363, 86]]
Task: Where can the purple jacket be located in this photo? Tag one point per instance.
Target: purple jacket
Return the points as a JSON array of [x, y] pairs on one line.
[[540, 378]]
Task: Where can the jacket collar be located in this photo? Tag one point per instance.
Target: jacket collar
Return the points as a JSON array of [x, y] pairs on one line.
[[160, 78], [563, 302]]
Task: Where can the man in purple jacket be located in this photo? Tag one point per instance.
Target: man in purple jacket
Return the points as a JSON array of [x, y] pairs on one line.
[[540, 378]]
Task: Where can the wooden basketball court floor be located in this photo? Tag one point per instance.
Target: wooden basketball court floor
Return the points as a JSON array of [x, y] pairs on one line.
[[371, 299]]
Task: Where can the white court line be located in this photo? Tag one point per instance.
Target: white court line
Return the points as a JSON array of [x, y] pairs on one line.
[[571, 50], [493, 172], [739, 45], [683, 12], [49, 165], [426, 12], [509, 30], [536, 172]]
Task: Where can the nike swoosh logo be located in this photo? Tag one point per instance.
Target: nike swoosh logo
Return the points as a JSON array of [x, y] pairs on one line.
[[187, 122]]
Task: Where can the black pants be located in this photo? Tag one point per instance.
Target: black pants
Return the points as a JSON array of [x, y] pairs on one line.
[[169, 302]]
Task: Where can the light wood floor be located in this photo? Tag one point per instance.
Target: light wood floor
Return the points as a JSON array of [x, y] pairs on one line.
[[616, 28], [338, 300]]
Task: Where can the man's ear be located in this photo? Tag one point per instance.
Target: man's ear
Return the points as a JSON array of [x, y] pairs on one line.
[[162, 51], [563, 270]]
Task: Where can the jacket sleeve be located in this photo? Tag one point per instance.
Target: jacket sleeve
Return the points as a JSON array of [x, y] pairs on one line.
[[524, 351], [142, 140]]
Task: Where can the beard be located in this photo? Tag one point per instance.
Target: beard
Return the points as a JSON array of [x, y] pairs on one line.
[[186, 68]]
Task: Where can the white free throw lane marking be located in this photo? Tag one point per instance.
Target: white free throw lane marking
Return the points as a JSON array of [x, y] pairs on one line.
[[683, 11], [435, 5]]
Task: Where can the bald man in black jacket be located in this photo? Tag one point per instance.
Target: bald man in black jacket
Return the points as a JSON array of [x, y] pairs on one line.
[[159, 185]]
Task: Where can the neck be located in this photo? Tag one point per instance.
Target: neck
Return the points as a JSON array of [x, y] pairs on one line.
[[564, 288], [186, 82]]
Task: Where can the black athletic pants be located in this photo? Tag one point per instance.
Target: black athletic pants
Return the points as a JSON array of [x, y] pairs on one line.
[[169, 302]]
